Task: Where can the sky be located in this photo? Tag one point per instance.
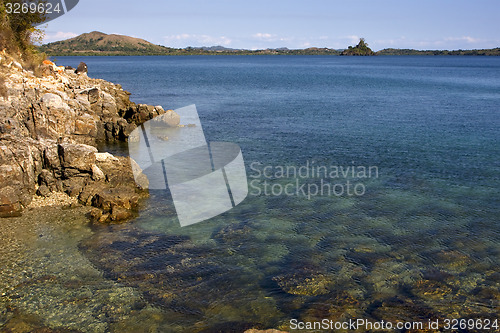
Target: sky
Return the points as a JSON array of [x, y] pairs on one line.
[[259, 24]]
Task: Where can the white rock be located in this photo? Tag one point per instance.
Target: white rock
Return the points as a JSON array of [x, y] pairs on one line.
[[103, 157], [140, 179], [52, 100], [17, 65], [63, 79], [97, 173]]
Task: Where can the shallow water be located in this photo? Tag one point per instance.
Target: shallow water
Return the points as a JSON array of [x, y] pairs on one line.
[[422, 241]]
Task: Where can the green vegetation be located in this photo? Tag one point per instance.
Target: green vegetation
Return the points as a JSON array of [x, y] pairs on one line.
[[361, 49], [98, 43], [483, 52], [17, 35]]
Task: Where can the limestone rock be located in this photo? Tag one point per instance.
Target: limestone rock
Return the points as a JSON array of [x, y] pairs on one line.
[[53, 101], [49, 127], [77, 156], [103, 157], [97, 173]]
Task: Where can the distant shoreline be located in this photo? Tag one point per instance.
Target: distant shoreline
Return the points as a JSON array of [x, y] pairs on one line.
[[253, 54], [98, 43], [278, 52]]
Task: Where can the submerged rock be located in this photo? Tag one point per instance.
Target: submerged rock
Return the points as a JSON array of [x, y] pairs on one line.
[[305, 280], [307, 284], [168, 119], [169, 270], [176, 274]]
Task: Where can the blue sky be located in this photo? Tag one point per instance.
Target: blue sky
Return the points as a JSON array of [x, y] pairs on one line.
[[423, 24]]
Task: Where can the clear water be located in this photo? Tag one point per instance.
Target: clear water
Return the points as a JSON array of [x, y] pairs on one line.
[[422, 242]]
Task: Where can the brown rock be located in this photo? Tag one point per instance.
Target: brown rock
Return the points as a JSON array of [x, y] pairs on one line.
[[116, 197], [43, 191], [9, 202], [97, 173], [95, 214], [51, 157], [85, 127], [120, 214], [48, 127], [77, 156], [74, 185], [82, 68]]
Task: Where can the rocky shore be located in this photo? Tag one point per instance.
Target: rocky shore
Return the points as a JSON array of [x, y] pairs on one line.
[[50, 126]]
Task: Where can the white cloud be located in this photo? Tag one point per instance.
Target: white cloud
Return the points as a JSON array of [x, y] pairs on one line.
[[450, 43], [264, 36], [466, 39], [182, 40], [56, 36]]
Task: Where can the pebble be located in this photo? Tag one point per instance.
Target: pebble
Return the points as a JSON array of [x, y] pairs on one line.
[[55, 199]]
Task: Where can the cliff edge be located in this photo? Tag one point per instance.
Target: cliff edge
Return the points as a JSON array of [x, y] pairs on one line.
[[49, 130]]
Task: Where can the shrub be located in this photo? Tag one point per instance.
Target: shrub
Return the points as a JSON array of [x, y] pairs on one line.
[[18, 34]]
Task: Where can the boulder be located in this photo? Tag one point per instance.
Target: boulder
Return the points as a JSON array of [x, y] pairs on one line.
[[97, 173], [43, 191], [53, 101], [105, 157], [115, 204], [77, 156], [122, 197], [168, 119], [74, 185], [9, 202], [82, 68], [120, 214], [49, 180]]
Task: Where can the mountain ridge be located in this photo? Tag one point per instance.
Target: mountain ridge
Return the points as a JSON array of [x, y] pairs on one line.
[[99, 43]]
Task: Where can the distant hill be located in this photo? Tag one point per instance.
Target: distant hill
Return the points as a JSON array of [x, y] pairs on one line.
[[217, 48], [98, 43], [483, 52]]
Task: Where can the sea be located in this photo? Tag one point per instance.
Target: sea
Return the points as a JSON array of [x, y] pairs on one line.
[[373, 196]]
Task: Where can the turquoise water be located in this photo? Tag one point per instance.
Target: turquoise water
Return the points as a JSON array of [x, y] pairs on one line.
[[422, 240]]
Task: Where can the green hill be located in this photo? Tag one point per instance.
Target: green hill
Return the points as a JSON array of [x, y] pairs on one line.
[[361, 49], [98, 43], [482, 52]]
